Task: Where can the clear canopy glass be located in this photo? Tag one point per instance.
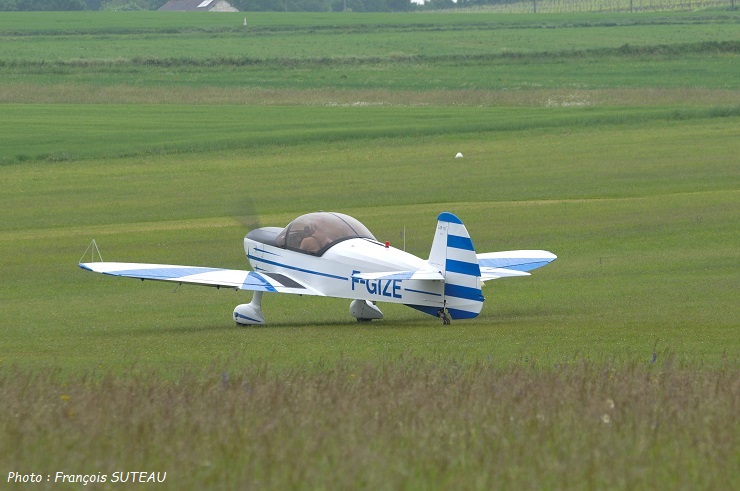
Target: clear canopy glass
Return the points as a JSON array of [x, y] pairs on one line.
[[314, 233]]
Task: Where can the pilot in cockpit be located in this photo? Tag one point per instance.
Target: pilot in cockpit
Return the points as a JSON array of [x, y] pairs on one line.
[[314, 239]]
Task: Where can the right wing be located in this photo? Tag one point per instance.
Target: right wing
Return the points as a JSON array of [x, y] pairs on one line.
[[195, 275]]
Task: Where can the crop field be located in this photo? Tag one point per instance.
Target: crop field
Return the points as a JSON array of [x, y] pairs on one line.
[[611, 140]]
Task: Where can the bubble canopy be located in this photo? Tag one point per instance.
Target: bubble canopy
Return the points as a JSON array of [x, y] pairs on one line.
[[314, 233]]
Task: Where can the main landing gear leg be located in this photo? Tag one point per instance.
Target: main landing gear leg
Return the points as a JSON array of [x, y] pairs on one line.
[[442, 314]]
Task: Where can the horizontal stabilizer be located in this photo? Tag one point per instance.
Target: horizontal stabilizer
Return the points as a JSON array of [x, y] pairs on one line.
[[196, 275], [419, 274], [521, 261], [495, 273]]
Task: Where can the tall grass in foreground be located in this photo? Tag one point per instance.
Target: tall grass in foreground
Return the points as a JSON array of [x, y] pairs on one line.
[[405, 423]]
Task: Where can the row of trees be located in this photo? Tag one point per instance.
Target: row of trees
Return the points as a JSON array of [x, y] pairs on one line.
[[61, 5], [23, 5], [270, 5], [243, 5], [52, 5]]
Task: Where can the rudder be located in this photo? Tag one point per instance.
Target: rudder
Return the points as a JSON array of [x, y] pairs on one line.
[[454, 256]]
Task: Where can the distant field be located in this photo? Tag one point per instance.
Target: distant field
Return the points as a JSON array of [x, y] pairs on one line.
[[137, 57], [159, 23], [287, 46], [611, 140]]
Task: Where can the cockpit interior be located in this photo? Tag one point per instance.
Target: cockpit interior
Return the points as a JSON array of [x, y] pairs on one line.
[[313, 233]]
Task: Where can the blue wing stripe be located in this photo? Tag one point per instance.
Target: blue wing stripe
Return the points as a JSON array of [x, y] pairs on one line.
[[163, 273], [255, 279], [519, 264]]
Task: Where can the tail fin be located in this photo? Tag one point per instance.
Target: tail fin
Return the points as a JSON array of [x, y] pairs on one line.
[[453, 255]]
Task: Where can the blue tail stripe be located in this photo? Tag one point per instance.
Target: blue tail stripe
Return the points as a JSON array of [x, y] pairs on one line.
[[448, 217], [459, 242], [465, 292], [462, 267]]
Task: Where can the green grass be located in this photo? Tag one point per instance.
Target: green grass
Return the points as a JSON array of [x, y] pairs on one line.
[[640, 216], [105, 131], [375, 43], [364, 52], [150, 82], [167, 22], [615, 367], [402, 423]]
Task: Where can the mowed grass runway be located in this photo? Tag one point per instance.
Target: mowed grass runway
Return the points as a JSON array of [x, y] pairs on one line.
[[614, 367], [640, 217]]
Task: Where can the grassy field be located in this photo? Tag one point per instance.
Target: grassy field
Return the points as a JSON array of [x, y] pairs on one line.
[[615, 367], [50, 56]]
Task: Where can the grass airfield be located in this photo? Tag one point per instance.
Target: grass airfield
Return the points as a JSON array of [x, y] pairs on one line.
[[614, 367]]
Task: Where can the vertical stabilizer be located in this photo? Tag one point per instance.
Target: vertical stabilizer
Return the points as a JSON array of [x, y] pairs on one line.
[[454, 256]]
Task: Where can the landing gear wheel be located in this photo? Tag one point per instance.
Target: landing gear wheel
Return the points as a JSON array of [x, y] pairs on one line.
[[443, 315]]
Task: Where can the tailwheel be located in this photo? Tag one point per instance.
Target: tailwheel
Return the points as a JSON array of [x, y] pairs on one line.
[[442, 314]]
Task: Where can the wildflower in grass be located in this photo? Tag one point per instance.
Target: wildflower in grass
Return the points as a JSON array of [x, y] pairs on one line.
[[610, 403], [64, 397], [605, 419]]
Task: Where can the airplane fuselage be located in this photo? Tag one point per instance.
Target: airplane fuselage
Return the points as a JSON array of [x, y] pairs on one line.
[[332, 273]]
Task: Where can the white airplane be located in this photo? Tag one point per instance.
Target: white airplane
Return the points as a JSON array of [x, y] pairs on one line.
[[334, 255]]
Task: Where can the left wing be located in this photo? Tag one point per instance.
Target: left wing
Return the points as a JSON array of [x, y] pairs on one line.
[[195, 275]]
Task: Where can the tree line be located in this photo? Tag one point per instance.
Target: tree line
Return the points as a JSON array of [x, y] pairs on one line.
[[243, 5]]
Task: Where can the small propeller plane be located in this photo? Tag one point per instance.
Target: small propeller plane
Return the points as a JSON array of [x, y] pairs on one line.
[[334, 255]]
